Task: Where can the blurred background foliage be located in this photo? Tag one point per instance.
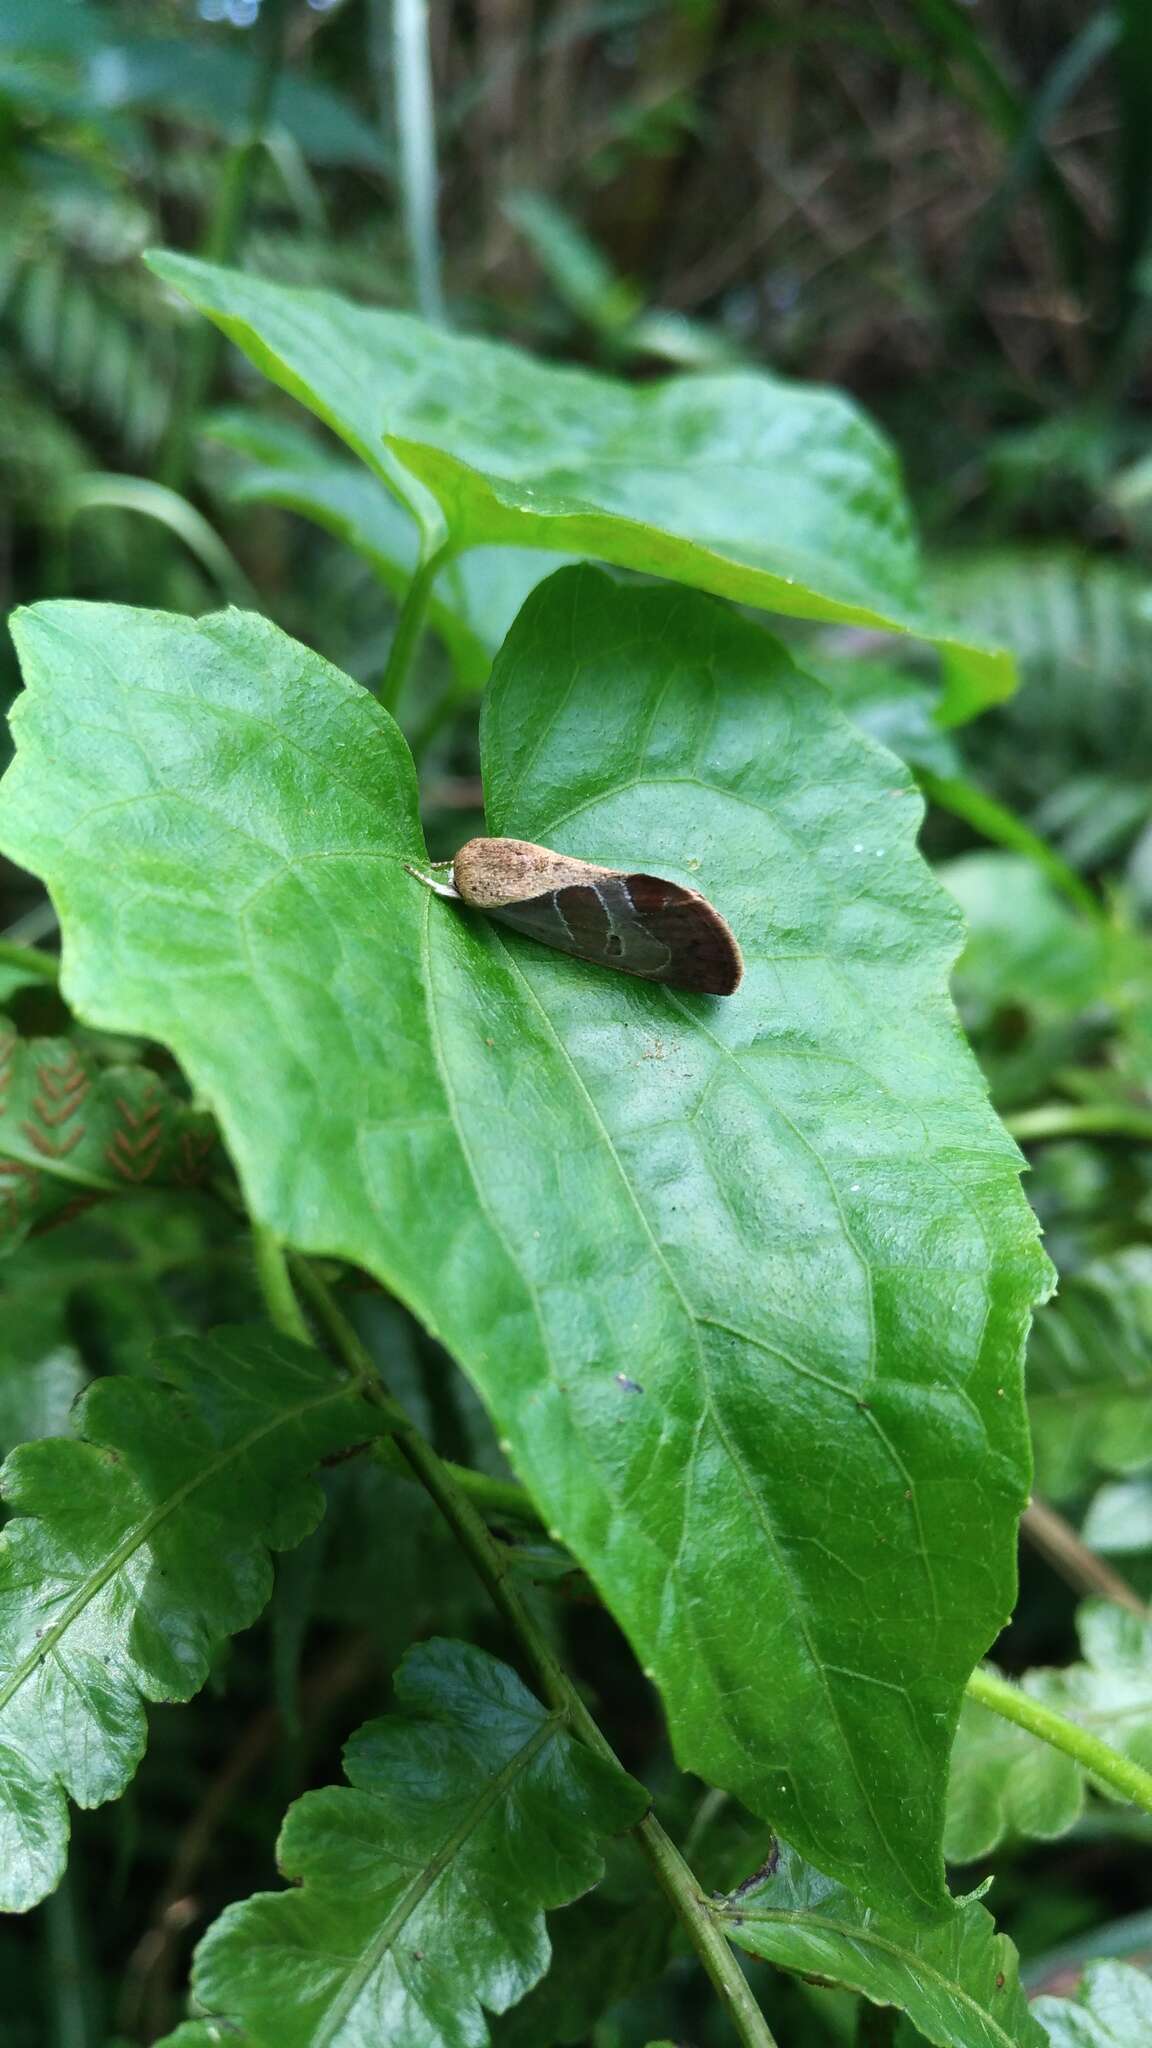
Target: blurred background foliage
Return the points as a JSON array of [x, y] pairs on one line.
[[947, 210]]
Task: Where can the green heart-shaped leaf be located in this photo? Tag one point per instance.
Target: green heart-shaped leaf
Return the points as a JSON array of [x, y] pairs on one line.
[[744, 1282]]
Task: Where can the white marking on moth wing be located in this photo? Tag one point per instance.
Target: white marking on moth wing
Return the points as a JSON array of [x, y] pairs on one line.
[[555, 904], [621, 949], [626, 935]]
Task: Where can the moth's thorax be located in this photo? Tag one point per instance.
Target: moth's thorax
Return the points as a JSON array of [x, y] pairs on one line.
[[491, 872]]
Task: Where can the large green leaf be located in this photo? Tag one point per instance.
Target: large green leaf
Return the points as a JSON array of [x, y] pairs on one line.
[[1112, 2009], [420, 1891], [780, 495], [959, 1984], [133, 1551], [743, 1283]]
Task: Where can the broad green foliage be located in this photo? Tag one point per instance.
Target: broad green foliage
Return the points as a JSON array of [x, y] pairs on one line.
[[779, 495], [99, 1291], [1112, 2009], [41, 1370], [422, 1889], [959, 1983], [1007, 1783], [475, 599], [1038, 984], [134, 1549], [71, 1130], [1025, 945], [1074, 747], [1090, 1374], [787, 1220]]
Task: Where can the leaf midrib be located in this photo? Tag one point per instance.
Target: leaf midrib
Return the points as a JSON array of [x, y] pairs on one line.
[[802, 1920], [95, 1582], [818, 1664], [430, 1874]]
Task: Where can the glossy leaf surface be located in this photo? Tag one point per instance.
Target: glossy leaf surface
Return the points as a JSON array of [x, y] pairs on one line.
[[958, 1984], [419, 1893], [744, 1283], [134, 1549], [777, 494]]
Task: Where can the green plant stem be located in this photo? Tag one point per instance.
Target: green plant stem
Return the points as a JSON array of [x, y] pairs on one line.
[[416, 134], [284, 1312], [995, 822], [409, 627], [1080, 1120], [1127, 1779], [45, 965], [715, 1954], [233, 197], [68, 1976], [95, 491], [35, 924], [498, 1500]]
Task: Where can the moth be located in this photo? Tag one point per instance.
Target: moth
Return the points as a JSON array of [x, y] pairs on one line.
[[636, 923]]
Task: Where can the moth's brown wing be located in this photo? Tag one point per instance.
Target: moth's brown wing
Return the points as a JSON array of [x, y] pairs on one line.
[[639, 925]]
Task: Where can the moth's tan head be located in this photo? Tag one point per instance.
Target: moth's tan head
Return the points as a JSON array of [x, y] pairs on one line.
[[489, 873]]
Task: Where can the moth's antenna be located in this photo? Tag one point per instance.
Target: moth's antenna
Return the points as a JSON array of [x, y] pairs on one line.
[[437, 888]]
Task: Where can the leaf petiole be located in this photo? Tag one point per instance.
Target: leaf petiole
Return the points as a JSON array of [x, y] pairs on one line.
[[1129, 1780], [410, 626]]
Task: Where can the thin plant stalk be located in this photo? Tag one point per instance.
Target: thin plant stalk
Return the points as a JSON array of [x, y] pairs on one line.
[[1127, 1779], [416, 140], [409, 629]]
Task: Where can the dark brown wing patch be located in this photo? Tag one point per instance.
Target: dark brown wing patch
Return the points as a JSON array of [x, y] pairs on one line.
[[637, 924]]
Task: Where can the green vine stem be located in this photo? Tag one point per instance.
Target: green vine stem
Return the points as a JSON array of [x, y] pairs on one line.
[[1000, 825], [284, 1312], [416, 134], [1124, 1777], [409, 628], [716, 1956], [1081, 1120], [45, 966]]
